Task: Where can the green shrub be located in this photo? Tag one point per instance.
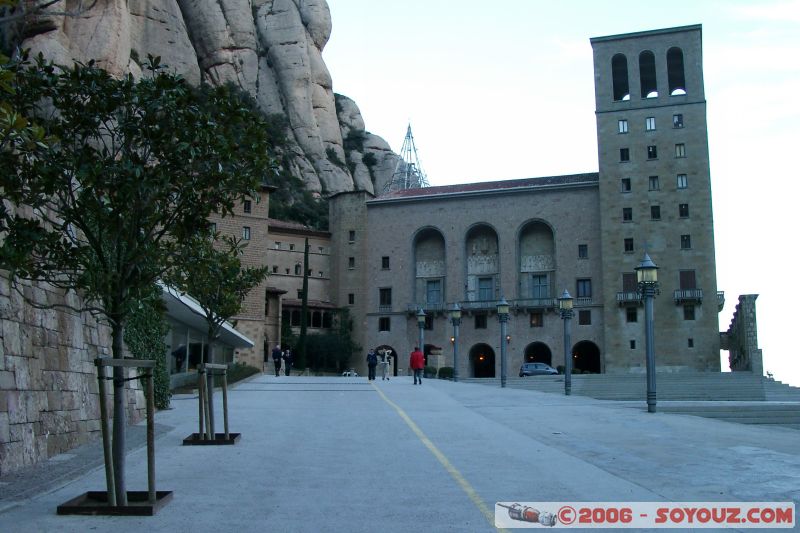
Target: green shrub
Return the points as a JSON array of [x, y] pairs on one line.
[[236, 372], [429, 371], [446, 372], [560, 369], [144, 335]]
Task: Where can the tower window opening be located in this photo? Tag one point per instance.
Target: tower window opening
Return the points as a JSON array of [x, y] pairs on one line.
[[675, 73], [619, 76], [647, 74]]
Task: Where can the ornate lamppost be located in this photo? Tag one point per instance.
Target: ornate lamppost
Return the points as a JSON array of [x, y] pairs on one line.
[[421, 325], [502, 315], [647, 278], [455, 318], [565, 306]]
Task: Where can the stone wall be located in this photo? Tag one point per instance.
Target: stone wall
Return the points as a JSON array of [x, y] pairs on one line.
[[742, 337], [48, 382]]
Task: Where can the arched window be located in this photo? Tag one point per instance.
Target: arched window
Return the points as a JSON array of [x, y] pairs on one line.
[[619, 75], [647, 74], [297, 269], [675, 75]]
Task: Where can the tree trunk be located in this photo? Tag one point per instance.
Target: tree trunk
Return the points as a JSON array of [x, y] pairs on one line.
[[210, 388], [118, 442]]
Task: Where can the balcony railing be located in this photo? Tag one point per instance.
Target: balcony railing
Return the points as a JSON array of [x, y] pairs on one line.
[[629, 297], [688, 296], [535, 303], [427, 307], [384, 308], [583, 301]]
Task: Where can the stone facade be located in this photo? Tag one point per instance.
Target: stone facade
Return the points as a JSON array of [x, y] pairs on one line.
[[742, 337], [48, 380]]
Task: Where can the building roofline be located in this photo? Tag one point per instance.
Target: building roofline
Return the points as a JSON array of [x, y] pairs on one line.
[[569, 181], [649, 33], [294, 228], [334, 195]]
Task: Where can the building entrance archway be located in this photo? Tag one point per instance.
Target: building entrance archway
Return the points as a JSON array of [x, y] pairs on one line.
[[586, 357], [481, 359], [538, 352], [380, 350]]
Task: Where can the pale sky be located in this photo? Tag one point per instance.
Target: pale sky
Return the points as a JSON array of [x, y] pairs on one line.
[[505, 89]]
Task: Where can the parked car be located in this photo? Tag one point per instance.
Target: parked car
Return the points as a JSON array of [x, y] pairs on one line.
[[348, 373], [536, 369]]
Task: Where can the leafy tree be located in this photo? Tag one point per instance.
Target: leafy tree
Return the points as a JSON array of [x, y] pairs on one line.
[[136, 169], [214, 277]]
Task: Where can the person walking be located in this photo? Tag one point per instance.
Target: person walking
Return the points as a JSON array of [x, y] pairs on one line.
[[372, 362], [385, 362], [417, 363], [287, 361], [276, 359]]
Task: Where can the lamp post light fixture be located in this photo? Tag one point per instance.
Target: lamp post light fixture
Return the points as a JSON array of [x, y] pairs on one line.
[[455, 318], [502, 315], [565, 307], [647, 279], [421, 323]]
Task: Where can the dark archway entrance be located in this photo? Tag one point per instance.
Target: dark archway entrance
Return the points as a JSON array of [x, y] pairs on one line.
[[538, 352], [481, 358], [586, 357], [380, 350]]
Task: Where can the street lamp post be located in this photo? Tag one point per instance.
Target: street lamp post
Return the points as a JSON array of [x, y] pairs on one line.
[[455, 318], [647, 278], [565, 306], [502, 315], [421, 324]]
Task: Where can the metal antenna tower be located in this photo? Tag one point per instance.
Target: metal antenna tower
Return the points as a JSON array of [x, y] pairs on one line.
[[408, 173]]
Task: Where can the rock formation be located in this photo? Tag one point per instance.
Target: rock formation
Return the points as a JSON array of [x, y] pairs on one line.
[[270, 48]]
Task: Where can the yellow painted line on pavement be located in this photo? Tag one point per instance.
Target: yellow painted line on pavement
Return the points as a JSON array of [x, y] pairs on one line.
[[442, 458]]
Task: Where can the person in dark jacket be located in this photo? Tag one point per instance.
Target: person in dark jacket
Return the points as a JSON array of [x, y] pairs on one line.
[[372, 362], [287, 359], [417, 363], [276, 359]]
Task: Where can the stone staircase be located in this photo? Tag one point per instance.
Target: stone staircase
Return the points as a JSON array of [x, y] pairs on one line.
[[734, 396]]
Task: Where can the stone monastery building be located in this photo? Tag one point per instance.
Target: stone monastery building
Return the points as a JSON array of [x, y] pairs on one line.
[[527, 240]]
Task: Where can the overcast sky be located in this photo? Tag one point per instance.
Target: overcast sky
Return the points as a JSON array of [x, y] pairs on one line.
[[505, 89]]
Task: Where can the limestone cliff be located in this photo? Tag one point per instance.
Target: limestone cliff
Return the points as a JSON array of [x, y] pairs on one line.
[[270, 48]]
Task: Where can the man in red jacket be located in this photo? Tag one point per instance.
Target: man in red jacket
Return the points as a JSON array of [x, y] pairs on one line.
[[417, 363]]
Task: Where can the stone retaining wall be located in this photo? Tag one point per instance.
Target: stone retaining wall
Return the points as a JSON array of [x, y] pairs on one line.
[[48, 381]]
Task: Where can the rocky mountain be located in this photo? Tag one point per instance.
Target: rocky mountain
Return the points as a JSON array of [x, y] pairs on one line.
[[270, 48]]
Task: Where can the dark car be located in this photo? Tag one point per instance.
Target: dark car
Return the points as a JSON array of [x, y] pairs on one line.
[[536, 369]]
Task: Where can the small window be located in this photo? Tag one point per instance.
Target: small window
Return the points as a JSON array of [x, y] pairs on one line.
[[655, 212], [246, 233], [653, 183], [683, 181], [680, 150], [683, 210], [247, 206], [624, 154], [584, 288], [433, 291], [629, 282], [652, 152], [677, 121], [351, 262], [385, 323], [631, 314], [352, 237], [274, 269], [625, 185], [623, 126], [633, 344], [320, 273], [690, 343], [385, 262], [628, 245], [688, 312], [650, 123], [297, 269], [428, 322], [480, 321], [585, 317], [266, 303], [321, 249], [385, 297], [627, 214], [687, 279], [291, 246], [583, 251], [277, 245], [686, 242], [299, 294], [537, 319], [287, 270], [351, 299]]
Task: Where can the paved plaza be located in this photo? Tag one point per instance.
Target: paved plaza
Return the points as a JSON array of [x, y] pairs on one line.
[[344, 454]]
